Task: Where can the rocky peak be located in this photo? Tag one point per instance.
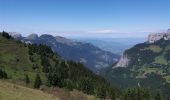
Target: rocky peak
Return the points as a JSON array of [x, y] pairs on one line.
[[32, 37], [64, 40], [15, 35], [152, 38]]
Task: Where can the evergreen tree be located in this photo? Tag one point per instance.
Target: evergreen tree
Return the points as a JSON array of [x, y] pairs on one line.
[[158, 96], [111, 94], [3, 74], [69, 74], [136, 94], [101, 92], [27, 80], [37, 82], [6, 35], [146, 94]]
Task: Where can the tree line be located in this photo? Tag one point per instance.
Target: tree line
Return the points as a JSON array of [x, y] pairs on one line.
[[71, 75]]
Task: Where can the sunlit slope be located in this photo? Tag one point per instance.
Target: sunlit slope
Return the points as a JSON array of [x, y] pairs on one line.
[[37, 66], [10, 91], [14, 57]]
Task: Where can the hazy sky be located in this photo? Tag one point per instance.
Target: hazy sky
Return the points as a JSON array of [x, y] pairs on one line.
[[98, 18]]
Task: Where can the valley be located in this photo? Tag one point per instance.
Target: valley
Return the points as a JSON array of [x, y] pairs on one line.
[[84, 49], [138, 74], [38, 67], [91, 56], [114, 45], [145, 65]]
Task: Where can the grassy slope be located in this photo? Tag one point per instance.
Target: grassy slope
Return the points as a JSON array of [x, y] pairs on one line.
[[10, 91], [154, 48], [73, 95], [15, 59]]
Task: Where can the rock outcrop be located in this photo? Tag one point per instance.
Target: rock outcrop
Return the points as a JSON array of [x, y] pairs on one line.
[[15, 35], [152, 38], [32, 37], [123, 62]]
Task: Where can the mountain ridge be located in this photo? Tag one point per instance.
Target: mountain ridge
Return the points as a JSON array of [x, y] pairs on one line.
[[152, 39], [145, 65], [93, 57], [37, 66]]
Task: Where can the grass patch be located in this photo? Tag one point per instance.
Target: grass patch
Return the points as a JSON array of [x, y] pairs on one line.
[[147, 70], [153, 48], [14, 58], [167, 78], [161, 60], [167, 48], [15, 92]]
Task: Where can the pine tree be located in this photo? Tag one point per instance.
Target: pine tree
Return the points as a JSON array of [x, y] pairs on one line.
[[27, 80], [6, 35], [158, 96], [146, 94], [3, 74], [111, 94], [101, 92], [37, 82]]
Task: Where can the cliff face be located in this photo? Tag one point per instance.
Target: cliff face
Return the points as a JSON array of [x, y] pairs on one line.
[[144, 64], [123, 62], [134, 54], [152, 38]]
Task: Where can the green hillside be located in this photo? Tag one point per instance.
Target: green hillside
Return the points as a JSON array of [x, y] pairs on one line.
[[27, 66], [150, 59], [148, 66], [36, 66], [10, 91], [14, 58]]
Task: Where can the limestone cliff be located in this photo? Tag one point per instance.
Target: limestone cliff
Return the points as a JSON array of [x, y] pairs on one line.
[[152, 38], [123, 62]]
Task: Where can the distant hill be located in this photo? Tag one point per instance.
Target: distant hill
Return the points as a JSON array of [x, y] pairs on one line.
[[146, 65], [91, 56], [113, 45]]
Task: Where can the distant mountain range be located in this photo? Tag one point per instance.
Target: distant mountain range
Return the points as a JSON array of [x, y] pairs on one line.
[[93, 57], [114, 45], [37, 66]]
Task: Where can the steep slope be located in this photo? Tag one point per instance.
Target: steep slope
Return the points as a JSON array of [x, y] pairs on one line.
[[149, 57], [42, 67], [10, 91], [144, 65], [16, 92], [39, 67], [91, 56]]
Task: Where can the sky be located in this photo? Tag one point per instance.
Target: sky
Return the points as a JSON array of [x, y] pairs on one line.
[[85, 18]]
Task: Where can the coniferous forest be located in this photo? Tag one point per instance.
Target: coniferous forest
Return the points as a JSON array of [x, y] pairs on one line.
[[70, 75]]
